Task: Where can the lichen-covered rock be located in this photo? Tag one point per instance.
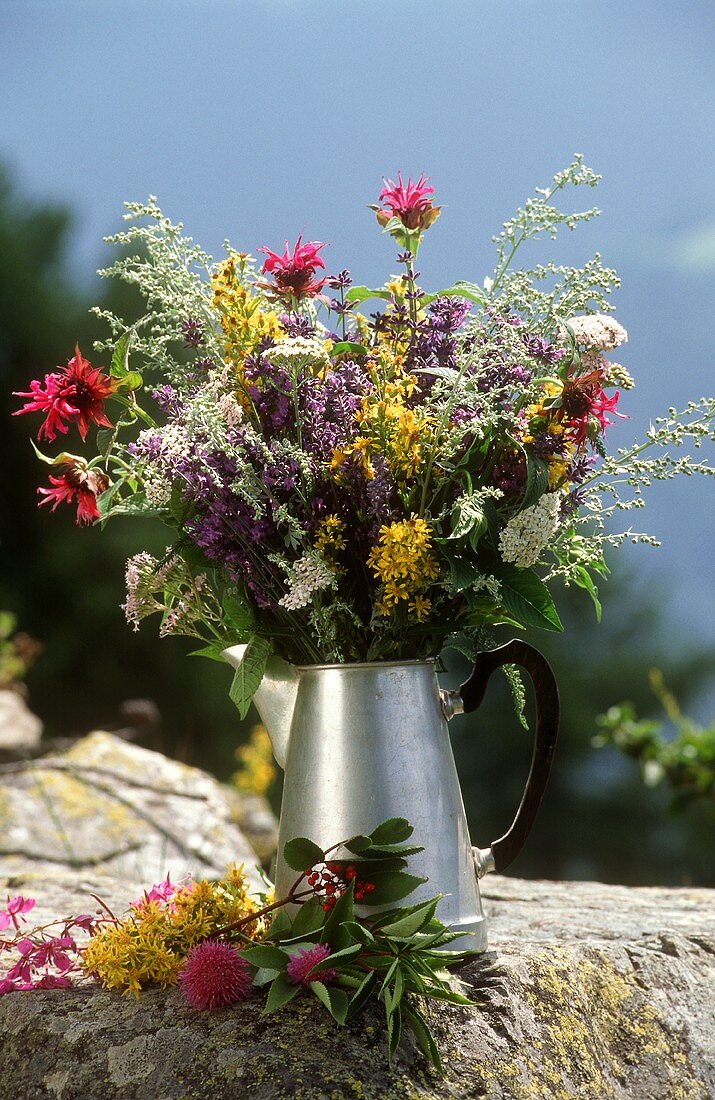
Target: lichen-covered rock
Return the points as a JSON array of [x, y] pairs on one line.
[[131, 811], [589, 992], [20, 729]]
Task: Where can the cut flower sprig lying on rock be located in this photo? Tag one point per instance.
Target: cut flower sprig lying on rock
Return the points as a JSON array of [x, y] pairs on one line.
[[223, 946], [356, 473]]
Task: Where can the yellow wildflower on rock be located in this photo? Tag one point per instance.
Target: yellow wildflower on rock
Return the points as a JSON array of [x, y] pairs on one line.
[[149, 944]]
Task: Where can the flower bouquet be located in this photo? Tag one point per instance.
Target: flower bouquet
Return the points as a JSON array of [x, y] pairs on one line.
[[356, 474]]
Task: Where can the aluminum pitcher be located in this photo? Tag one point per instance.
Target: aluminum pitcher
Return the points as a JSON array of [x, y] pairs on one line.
[[361, 743]]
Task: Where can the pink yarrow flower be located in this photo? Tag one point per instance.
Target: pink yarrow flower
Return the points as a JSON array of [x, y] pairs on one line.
[[302, 962], [293, 271], [215, 976]]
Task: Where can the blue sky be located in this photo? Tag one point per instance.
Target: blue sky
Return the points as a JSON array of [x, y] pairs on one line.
[[257, 121]]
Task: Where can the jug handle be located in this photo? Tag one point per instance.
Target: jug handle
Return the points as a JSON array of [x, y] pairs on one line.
[[517, 652]]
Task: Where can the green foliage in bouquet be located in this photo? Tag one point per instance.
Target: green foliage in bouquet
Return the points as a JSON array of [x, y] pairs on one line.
[[353, 473]]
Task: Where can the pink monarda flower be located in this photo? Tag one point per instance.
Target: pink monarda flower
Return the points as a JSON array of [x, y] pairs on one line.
[[214, 976], [75, 480], [293, 271], [75, 393], [409, 202], [300, 965]]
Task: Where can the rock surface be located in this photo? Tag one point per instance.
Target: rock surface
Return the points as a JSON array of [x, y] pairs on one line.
[[588, 992], [20, 729], [105, 802]]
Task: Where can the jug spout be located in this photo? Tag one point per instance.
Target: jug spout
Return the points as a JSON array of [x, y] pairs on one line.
[[275, 698]]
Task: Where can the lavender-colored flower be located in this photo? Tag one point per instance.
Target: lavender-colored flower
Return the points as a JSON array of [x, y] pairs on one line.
[[168, 400], [540, 348], [341, 281], [192, 329], [296, 324]]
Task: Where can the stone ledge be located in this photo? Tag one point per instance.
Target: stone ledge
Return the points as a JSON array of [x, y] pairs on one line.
[[589, 992]]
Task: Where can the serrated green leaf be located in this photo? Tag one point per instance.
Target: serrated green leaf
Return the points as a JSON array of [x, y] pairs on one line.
[[392, 887], [378, 851], [393, 831], [239, 614], [335, 1000], [249, 673], [358, 932], [308, 919], [358, 844], [342, 913], [282, 990], [264, 975], [412, 922], [526, 598], [266, 955], [280, 925], [423, 1035], [394, 1030], [362, 994], [301, 854]]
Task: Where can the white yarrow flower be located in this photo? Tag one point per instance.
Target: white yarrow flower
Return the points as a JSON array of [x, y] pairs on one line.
[[309, 575], [597, 331], [526, 535]]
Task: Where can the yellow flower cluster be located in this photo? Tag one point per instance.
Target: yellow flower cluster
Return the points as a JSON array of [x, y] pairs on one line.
[[404, 564], [150, 944], [388, 426], [257, 770], [330, 538], [243, 322], [541, 417]]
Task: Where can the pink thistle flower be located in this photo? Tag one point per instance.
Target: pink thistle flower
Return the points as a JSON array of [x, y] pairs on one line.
[[409, 202], [293, 271], [214, 976], [74, 393], [303, 961]]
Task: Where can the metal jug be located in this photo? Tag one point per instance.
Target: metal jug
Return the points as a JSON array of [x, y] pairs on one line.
[[361, 743]]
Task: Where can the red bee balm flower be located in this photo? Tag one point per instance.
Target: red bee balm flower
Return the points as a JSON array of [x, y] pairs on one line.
[[409, 202], [76, 480], [293, 271], [72, 393]]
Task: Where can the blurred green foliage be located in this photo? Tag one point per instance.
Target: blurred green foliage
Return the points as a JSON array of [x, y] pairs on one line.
[[65, 587], [685, 760]]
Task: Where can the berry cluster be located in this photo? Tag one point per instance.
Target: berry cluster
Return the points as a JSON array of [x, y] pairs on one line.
[[332, 882]]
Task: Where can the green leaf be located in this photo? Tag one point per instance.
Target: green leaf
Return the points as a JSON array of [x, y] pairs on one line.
[[400, 850], [423, 1035], [464, 571], [282, 990], [362, 994], [105, 438], [132, 380], [358, 932], [412, 922], [249, 673], [239, 615], [265, 954], [213, 652], [280, 925], [393, 831], [537, 478], [362, 293], [392, 887], [308, 919], [358, 844], [526, 598], [394, 1029], [301, 854], [471, 291], [344, 346], [119, 365], [342, 913], [335, 1000], [264, 975], [584, 580]]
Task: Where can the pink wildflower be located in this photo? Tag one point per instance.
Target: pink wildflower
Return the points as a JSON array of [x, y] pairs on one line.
[[293, 271], [15, 909], [160, 891], [303, 961], [409, 202], [214, 976]]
